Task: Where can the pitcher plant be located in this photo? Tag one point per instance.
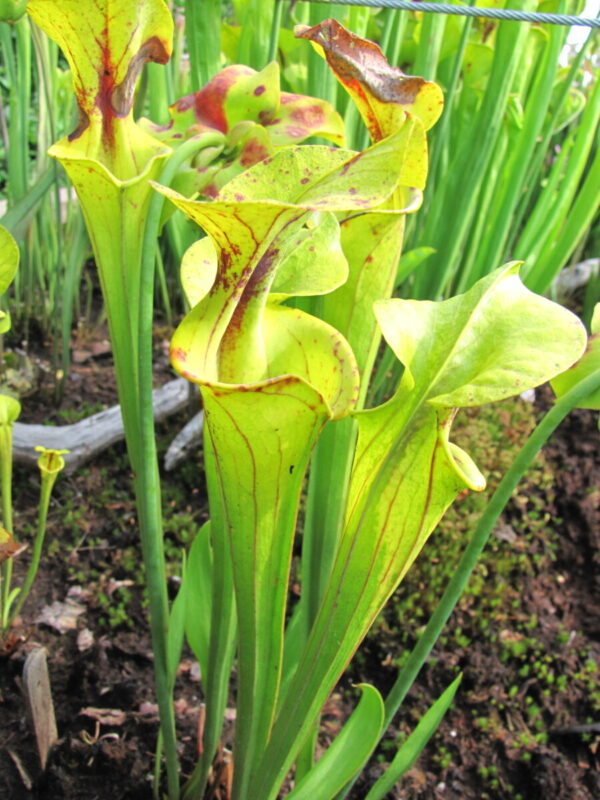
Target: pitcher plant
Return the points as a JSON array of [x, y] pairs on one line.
[[290, 293]]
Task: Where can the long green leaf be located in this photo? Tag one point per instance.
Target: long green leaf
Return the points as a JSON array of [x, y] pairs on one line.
[[430, 44], [454, 206], [196, 588], [221, 645], [203, 37], [415, 744], [555, 205], [349, 751], [18, 216], [255, 31], [109, 159], [557, 251], [560, 101], [410, 261], [511, 180]]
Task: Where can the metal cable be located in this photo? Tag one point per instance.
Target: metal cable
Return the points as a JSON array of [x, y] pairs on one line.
[[469, 11]]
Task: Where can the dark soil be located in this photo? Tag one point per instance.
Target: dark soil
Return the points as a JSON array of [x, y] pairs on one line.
[[491, 745]]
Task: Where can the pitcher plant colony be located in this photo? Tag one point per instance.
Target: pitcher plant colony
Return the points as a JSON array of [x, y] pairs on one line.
[[289, 288], [50, 463]]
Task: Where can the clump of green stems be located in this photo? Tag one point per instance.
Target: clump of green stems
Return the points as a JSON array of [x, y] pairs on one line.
[[289, 294], [50, 463], [509, 200], [38, 209]]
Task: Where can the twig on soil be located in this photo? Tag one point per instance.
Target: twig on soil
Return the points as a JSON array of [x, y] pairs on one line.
[[592, 727], [90, 436], [188, 438], [27, 782]]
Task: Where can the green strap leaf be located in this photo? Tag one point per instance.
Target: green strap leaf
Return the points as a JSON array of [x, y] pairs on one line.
[[196, 590], [348, 753], [17, 217], [410, 261], [413, 747]]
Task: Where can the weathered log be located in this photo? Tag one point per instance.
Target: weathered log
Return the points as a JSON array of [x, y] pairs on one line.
[[90, 436], [187, 440]]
